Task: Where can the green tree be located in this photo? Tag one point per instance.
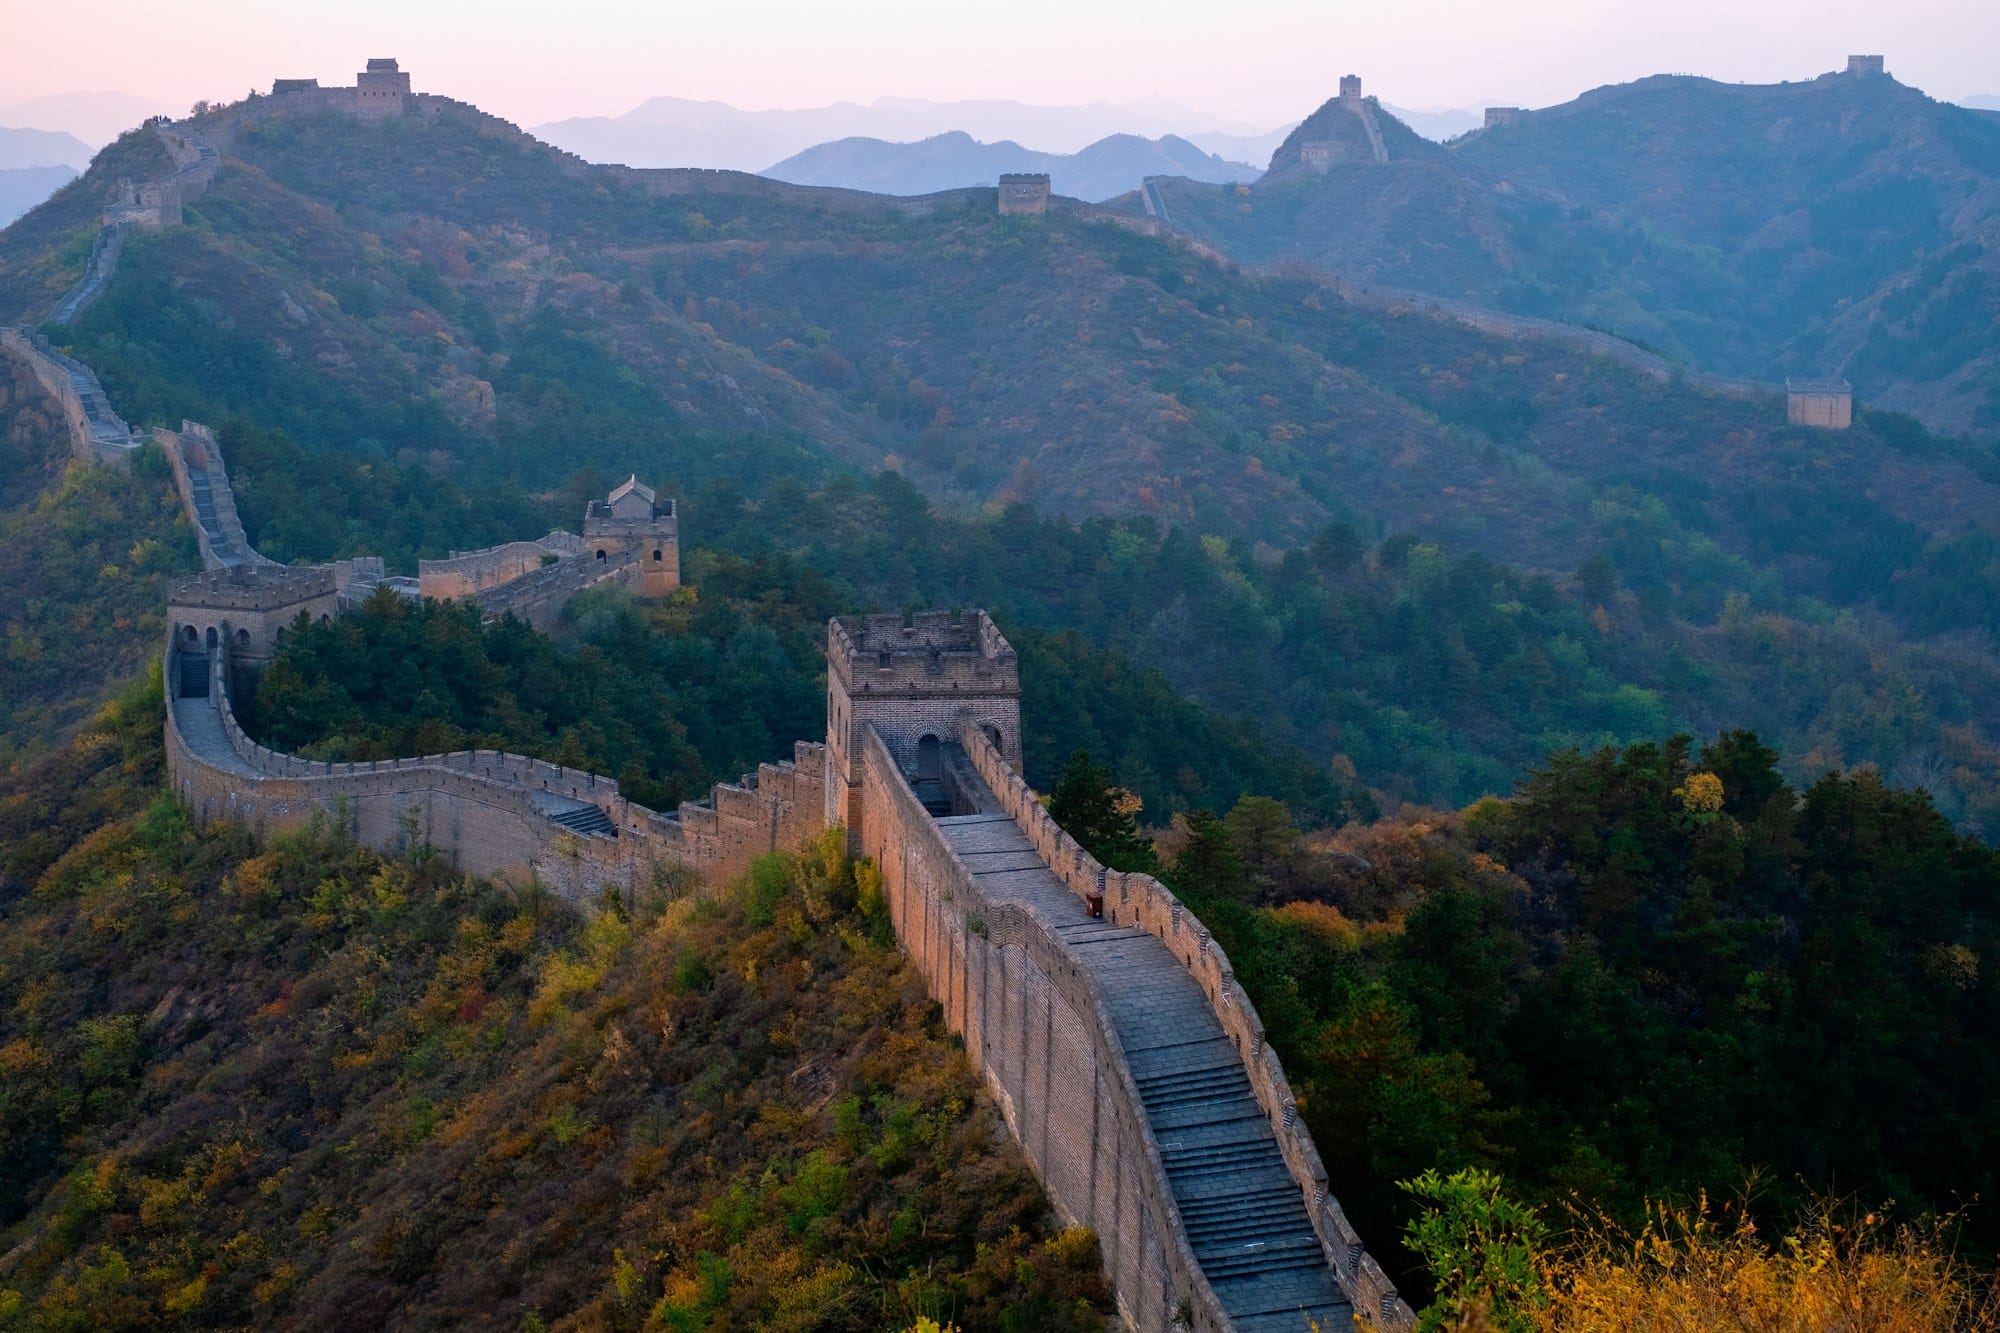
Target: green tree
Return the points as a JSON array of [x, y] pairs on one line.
[[1100, 816], [1480, 1247], [1207, 866]]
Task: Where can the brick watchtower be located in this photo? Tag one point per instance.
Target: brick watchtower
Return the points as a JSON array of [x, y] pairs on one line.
[[381, 89], [632, 518], [1024, 192], [239, 612], [911, 682]]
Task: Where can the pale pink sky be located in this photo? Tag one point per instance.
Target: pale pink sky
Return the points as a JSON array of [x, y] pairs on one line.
[[1261, 62]]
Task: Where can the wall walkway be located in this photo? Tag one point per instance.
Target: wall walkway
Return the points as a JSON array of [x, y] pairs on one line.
[[493, 813], [96, 432], [1128, 1062]]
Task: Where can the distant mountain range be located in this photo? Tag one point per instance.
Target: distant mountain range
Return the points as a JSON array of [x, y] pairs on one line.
[[1111, 166], [41, 148], [21, 188], [34, 164], [677, 132], [1843, 225], [673, 131], [94, 118]]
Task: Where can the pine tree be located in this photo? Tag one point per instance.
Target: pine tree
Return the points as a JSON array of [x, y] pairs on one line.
[[1098, 815]]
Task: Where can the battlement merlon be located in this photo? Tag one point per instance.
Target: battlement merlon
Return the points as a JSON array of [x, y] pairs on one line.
[[254, 588], [936, 653]]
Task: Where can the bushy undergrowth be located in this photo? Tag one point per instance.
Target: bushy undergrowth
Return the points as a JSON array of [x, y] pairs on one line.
[[301, 1083]]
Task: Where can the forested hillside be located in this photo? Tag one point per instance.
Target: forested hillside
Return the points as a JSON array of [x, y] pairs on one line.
[[432, 333], [1384, 639], [1655, 971], [1842, 225], [252, 1084]]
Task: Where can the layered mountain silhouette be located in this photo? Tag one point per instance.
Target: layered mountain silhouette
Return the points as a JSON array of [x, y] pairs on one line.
[[1847, 225], [34, 164], [679, 132], [1111, 166]]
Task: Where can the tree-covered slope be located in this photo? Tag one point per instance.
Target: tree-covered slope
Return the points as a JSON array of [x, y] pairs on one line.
[[297, 1083], [1843, 225]]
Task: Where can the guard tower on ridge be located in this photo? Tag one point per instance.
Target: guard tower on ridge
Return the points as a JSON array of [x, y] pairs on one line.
[[632, 518], [911, 682]]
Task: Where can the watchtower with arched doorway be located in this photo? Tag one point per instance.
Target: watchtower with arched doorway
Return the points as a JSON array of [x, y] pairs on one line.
[[912, 681], [241, 610], [632, 518]]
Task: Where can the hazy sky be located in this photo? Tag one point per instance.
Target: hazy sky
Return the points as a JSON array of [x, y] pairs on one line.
[[1257, 61]]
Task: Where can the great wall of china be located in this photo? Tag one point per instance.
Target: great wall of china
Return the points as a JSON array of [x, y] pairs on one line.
[[1125, 1058]]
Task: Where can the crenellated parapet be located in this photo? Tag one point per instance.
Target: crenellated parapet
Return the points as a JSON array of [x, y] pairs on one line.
[[1121, 898], [910, 681]]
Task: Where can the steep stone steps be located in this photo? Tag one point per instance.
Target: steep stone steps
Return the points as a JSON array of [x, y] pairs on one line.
[[1243, 1214], [586, 819], [194, 676]]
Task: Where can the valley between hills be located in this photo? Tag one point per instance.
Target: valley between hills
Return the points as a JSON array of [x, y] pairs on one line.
[[1586, 772]]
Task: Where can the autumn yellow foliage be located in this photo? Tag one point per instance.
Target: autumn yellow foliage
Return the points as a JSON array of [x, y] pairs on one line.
[[1707, 1268]]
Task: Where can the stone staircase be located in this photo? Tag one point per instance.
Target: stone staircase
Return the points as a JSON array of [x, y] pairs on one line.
[[585, 819], [1368, 122], [104, 252], [1244, 1215], [194, 676]]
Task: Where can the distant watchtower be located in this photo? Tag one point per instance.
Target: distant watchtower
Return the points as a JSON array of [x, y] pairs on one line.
[[911, 683], [1318, 155], [632, 518], [1350, 87], [1828, 404], [380, 89], [1498, 117], [1024, 192], [1866, 65]]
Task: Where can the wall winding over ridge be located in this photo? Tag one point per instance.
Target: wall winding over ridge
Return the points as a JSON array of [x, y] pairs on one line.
[[1032, 1022], [1037, 1024], [1143, 901], [492, 813]]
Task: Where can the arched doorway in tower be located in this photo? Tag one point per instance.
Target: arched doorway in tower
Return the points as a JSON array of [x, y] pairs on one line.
[[930, 759]]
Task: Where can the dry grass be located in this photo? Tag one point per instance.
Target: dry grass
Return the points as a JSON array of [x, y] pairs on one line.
[[1707, 1268]]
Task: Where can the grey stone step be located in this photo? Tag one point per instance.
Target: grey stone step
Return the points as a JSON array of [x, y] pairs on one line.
[[587, 819], [1229, 1230]]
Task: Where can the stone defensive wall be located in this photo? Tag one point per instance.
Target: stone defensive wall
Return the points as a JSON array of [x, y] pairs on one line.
[[97, 270], [206, 495], [465, 573], [538, 596], [96, 433], [1142, 901], [1034, 1022], [1037, 1021], [492, 813]]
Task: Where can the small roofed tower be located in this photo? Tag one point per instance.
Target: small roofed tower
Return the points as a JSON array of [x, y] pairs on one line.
[[380, 89], [911, 682], [633, 520], [1350, 87], [1024, 192]]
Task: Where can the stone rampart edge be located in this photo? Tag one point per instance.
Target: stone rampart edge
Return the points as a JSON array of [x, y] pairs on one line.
[[1143, 901]]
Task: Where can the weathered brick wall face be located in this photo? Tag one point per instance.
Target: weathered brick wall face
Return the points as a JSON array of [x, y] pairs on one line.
[[1047, 1049], [479, 808], [469, 572], [1143, 901]]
